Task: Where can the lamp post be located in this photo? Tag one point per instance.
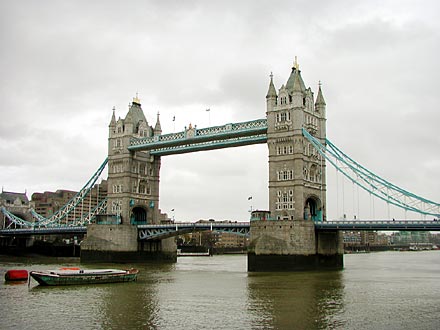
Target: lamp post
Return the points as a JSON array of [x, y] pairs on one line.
[[209, 115]]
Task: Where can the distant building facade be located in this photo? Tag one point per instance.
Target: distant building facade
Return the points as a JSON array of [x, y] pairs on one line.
[[48, 203], [16, 203]]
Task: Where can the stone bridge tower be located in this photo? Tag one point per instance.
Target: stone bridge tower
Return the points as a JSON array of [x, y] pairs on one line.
[[133, 176], [133, 197], [297, 188]]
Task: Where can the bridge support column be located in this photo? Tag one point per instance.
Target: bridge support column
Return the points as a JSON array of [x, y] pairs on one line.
[[292, 245], [119, 243]]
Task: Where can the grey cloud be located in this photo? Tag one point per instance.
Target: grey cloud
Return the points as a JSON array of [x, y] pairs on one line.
[[66, 64]]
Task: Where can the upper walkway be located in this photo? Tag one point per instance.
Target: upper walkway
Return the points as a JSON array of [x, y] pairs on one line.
[[193, 139]]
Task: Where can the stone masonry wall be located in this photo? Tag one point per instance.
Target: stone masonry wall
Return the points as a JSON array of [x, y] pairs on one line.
[[117, 238], [289, 237]]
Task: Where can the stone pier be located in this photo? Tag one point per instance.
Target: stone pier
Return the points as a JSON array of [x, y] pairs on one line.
[[292, 245], [119, 244]]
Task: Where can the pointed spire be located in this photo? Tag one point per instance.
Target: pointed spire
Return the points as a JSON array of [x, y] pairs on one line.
[[136, 99], [157, 128], [320, 99], [113, 120], [295, 81], [271, 92]]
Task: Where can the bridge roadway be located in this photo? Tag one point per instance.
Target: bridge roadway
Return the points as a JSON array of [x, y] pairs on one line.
[[147, 232]]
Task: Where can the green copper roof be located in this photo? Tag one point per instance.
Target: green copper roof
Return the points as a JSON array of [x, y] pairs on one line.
[[271, 92], [135, 114], [320, 98], [295, 81]]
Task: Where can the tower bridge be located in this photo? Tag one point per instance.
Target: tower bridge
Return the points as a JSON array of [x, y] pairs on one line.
[[293, 234]]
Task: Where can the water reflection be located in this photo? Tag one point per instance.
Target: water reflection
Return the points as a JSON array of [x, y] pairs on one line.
[[135, 305], [306, 300], [375, 291]]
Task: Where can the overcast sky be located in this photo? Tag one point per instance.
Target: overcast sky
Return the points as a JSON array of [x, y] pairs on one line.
[[65, 64]]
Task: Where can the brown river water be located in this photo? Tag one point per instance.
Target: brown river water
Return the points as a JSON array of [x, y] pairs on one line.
[[385, 290]]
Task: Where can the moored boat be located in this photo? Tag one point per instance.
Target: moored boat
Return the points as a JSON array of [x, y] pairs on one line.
[[76, 276], [16, 275], [193, 254]]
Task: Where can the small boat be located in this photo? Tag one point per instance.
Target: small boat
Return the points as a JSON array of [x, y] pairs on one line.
[[193, 254], [16, 275], [76, 276]]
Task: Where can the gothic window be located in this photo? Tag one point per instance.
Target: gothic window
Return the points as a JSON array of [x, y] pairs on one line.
[[117, 206], [284, 200], [283, 116], [117, 188], [290, 149]]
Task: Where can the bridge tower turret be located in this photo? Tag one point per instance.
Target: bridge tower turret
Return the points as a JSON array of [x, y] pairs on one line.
[[133, 176]]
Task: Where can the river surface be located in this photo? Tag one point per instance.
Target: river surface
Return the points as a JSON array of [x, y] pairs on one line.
[[386, 290]]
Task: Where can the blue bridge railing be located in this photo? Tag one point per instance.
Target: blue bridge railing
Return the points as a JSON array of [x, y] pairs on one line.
[[160, 231]]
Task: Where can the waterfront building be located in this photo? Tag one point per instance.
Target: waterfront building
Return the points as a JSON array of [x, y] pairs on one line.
[[16, 203], [408, 237], [214, 239], [48, 203]]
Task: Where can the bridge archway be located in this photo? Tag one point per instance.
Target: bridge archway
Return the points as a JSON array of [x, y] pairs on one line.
[[138, 215], [312, 209]]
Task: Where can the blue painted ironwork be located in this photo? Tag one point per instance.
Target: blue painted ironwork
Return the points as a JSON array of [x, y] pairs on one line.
[[44, 231], [148, 232], [55, 219], [231, 135], [373, 183], [14, 219], [359, 225], [194, 139]]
